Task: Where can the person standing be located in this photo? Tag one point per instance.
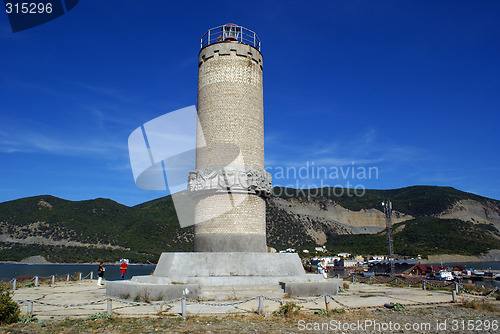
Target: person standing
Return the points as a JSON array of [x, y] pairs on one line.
[[100, 273], [123, 268], [323, 266], [320, 267]]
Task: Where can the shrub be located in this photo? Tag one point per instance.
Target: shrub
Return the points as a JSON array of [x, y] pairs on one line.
[[322, 312], [99, 315], [27, 320], [329, 312], [9, 310], [398, 307], [287, 310]]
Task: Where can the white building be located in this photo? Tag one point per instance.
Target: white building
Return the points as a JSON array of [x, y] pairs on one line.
[[348, 263], [344, 254]]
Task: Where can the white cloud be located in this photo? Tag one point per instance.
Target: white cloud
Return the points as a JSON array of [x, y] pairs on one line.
[[366, 149], [35, 142]]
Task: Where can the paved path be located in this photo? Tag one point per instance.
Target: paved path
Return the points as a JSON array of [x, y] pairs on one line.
[[64, 293]]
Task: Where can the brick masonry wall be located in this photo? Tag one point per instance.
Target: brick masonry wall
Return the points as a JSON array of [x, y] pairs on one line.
[[230, 111]]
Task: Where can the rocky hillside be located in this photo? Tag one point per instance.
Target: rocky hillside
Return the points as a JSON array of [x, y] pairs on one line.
[[82, 231], [318, 216]]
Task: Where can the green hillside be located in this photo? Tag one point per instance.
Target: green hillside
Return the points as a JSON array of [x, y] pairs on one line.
[[143, 231], [423, 236]]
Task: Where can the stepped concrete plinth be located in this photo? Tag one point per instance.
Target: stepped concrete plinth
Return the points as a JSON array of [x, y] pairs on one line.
[[224, 275]]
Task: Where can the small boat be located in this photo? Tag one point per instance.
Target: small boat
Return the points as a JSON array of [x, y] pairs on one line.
[[477, 272]]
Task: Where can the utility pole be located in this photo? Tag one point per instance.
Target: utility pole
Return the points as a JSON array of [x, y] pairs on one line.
[[388, 211]]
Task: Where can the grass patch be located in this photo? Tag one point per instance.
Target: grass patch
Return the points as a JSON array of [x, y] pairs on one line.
[[326, 313], [481, 305], [99, 316], [289, 309]]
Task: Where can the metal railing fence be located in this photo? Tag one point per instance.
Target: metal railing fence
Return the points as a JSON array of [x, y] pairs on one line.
[[229, 32]]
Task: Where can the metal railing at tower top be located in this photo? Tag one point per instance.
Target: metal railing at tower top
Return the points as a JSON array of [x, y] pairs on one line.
[[230, 33]]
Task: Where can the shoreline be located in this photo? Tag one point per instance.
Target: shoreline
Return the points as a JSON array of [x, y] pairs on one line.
[[492, 255]]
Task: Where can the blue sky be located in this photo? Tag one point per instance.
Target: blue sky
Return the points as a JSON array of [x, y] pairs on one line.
[[410, 88]]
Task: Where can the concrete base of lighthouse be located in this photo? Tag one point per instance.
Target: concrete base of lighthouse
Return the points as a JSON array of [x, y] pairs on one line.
[[222, 276]]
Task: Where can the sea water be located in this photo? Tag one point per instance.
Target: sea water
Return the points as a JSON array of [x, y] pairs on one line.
[[9, 271]]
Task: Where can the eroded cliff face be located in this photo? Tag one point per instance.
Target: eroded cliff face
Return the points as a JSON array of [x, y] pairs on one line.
[[322, 216], [319, 217], [474, 211]]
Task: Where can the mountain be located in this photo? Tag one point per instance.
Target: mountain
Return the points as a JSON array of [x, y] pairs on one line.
[[332, 212], [427, 220]]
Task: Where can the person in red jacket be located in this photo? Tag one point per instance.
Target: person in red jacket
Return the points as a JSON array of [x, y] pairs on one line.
[[123, 268]]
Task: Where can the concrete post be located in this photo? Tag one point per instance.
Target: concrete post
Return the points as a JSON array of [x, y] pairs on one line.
[[261, 305], [109, 306], [29, 310], [53, 279], [397, 283], [91, 275], [423, 285], [14, 284], [67, 278], [80, 276], [183, 307], [453, 296], [36, 280], [327, 303], [456, 287]]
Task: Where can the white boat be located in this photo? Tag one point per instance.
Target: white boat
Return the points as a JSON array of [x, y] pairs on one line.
[[477, 272], [445, 275]]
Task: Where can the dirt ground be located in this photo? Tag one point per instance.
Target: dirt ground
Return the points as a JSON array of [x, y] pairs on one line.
[[64, 308], [437, 319]]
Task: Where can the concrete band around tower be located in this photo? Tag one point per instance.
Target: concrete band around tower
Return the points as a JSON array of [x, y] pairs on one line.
[[230, 176]]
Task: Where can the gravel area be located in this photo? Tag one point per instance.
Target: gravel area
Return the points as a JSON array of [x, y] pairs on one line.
[[358, 310]]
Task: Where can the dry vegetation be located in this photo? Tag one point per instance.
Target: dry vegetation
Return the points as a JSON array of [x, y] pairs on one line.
[[253, 323]]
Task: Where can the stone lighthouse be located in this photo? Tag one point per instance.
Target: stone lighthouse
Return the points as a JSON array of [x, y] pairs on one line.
[[227, 190], [230, 183]]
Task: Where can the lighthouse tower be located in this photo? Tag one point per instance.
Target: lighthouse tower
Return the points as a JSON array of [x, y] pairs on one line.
[[230, 183], [228, 188]]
